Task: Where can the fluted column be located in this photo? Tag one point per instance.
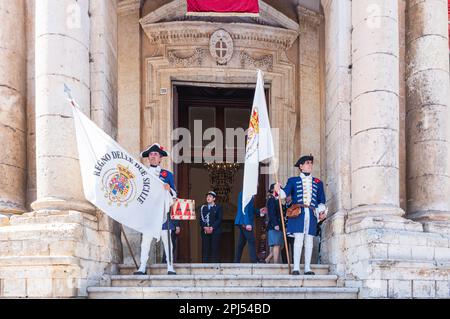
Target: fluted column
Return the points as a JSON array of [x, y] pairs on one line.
[[428, 117], [375, 109], [12, 107], [62, 57]]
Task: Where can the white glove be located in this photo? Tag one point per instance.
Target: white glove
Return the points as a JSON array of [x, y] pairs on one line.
[[321, 209]]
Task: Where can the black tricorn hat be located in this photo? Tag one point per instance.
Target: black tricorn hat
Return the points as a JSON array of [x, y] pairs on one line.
[[303, 160], [154, 148]]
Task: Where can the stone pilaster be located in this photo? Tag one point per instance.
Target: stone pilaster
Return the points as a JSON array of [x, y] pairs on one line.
[[428, 115], [375, 110], [13, 127], [129, 94], [310, 94]]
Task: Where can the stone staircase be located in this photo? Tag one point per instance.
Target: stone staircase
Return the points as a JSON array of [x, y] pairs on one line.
[[223, 281]]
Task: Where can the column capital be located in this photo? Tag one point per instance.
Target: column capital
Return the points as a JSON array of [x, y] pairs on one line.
[[126, 7], [309, 16]]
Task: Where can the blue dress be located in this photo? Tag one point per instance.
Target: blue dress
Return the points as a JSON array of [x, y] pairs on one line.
[[273, 212]]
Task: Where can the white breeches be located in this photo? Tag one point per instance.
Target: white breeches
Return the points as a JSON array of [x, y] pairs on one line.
[[298, 245], [145, 250]]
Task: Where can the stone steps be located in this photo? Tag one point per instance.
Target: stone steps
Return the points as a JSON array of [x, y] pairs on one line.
[[221, 293], [223, 269], [186, 281], [212, 281]]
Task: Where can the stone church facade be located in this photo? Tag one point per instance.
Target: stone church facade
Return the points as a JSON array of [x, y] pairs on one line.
[[363, 85]]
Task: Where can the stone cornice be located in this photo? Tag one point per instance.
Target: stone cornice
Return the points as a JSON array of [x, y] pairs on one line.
[[125, 7], [308, 16], [199, 33]]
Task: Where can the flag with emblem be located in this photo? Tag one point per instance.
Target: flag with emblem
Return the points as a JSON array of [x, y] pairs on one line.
[[249, 8], [115, 182], [260, 147]]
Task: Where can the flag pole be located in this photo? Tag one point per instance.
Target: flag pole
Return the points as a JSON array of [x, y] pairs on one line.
[[129, 246], [283, 226]]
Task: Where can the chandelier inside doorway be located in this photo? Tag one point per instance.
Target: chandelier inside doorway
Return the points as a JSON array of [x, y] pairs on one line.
[[221, 179]]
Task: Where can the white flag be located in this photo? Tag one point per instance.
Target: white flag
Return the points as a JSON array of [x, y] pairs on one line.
[[117, 183], [259, 142]]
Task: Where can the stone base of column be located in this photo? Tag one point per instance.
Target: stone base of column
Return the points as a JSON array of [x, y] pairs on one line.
[[395, 263], [430, 216], [54, 254], [9, 208], [388, 256], [437, 227], [379, 216], [52, 203], [4, 220]]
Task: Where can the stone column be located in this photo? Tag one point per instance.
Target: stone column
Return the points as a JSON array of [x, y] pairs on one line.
[[12, 107], [338, 28], [62, 57], [310, 100], [375, 110], [428, 116]]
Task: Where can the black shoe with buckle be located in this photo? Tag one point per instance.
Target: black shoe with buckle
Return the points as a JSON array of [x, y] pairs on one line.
[[139, 273], [171, 273], [309, 273], [296, 273]]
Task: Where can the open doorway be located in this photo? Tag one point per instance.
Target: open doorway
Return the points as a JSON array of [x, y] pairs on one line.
[[216, 108]]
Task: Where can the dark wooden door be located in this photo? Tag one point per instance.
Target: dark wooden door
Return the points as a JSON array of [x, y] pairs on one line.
[[218, 108]]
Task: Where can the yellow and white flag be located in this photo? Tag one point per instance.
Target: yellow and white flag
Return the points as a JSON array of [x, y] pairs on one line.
[[260, 147], [118, 184]]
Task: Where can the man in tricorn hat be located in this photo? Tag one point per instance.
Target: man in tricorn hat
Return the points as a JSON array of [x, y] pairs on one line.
[[155, 154], [307, 192]]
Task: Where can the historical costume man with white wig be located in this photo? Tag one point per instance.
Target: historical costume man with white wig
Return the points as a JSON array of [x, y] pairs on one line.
[[155, 153], [307, 193]]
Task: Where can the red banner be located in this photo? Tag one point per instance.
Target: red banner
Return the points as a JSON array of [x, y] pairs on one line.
[[223, 7]]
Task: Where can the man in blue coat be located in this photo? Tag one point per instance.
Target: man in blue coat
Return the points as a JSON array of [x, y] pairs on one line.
[[155, 154], [211, 216], [245, 222], [307, 192]]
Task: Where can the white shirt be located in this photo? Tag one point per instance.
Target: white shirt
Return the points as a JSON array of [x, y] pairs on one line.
[[155, 170]]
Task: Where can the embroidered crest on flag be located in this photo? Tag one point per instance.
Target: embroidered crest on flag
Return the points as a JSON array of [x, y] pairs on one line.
[[119, 185]]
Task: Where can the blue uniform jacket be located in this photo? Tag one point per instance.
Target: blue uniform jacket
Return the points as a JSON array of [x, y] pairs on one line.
[[294, 188], [249, 217], [167, 177]]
